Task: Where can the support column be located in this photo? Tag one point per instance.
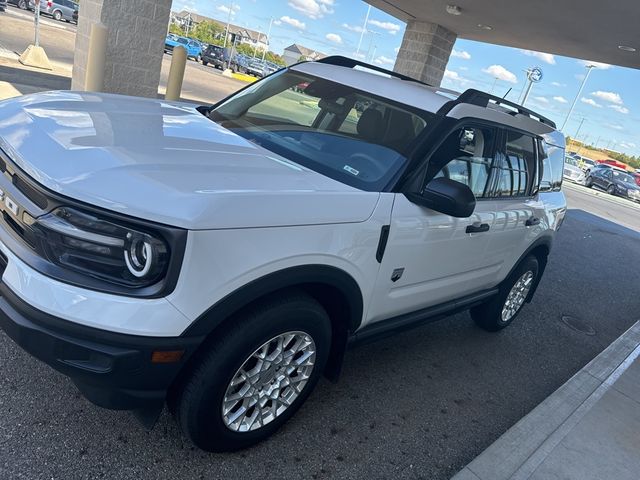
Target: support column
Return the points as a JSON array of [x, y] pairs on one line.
[[135, 44], [425, 51]]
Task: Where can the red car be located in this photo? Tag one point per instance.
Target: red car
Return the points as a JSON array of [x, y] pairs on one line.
[[636, 176]]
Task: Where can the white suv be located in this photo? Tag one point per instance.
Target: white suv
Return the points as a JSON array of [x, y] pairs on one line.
[[223, 258]]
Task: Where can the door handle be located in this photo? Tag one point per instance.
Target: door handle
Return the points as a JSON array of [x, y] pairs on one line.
[[478, 228], [532, 222]]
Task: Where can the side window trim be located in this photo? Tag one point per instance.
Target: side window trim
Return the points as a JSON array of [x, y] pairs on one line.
[[530, 192]]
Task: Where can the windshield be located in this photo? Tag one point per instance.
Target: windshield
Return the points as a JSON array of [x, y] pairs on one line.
[[183, 41], [339, 131], [571, 161], [623, 177]]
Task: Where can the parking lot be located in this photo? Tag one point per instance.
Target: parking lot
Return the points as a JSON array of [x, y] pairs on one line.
[[418, 405], [421, 404]]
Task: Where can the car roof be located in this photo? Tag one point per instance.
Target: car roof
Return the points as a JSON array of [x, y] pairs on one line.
[[425, 97]]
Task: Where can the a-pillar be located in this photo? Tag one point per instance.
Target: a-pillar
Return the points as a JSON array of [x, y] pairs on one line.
[[135, 45], [425, 51]]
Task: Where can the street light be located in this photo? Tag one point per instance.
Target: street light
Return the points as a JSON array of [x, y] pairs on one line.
[[264, 52], [226, 31], [575, 100], [364, 29]]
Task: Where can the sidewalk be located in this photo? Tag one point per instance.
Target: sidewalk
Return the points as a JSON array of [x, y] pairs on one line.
[[589, 429]]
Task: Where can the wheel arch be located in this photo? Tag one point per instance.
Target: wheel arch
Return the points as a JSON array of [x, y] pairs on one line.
[[539, 249], [336, 290]]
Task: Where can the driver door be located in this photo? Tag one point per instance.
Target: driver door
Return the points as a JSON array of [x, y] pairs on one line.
[[432, 258]]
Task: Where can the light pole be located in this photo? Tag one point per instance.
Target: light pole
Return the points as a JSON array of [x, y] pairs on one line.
[[264, 52], [226, 30], [575, 100], [364, 30]]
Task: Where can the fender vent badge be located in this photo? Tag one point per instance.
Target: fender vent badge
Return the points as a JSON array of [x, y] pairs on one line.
[[397, 274]]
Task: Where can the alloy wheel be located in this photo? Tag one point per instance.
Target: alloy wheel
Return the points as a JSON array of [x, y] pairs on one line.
[[517, 296], [269, 381]]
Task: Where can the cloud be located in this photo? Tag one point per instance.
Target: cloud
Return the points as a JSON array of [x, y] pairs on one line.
[[312, 8], [590, 101], [610, 97], [615, 126], [545, 57], [598, 65], [453, 76], [382, 60], [334, 37], [501, 73], [294, 22], [620, 108], [277, 22], [558, 84], [560, 99], [353, 28], [464, 55], [390, 27], [224, 9], [544, 100]]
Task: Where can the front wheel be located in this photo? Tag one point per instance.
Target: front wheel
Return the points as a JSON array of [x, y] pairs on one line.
[[588, 182], [205, 63], [611, 190], [500, 311], [22, 4], [255, 375]]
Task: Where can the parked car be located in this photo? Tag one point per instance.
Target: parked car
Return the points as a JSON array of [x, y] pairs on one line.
[[194, 49], [3, 5], [257, 69], [226, 258], [61, 10], [572, 171], [221, 58], [615, 181], [636, 177], [21, 4]]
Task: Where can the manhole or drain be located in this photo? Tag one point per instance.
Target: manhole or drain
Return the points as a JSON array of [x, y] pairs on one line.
[[578, 325]]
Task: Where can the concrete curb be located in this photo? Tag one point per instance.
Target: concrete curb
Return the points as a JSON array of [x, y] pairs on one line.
[[517, 453], [599, 193]]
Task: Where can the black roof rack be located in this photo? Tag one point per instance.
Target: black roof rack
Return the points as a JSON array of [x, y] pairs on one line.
[[341, 61], [482, 99]]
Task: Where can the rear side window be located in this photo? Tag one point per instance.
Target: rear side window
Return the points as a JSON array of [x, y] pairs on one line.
[[552, 166], [514, 170]]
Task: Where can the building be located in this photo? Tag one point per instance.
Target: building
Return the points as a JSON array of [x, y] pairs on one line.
[[296, 53], [238, 35]]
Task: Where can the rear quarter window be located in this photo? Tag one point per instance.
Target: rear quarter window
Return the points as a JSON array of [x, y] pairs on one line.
[[552, 166]]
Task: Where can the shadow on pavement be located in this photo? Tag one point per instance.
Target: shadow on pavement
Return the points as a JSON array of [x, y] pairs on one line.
[[30, 78]]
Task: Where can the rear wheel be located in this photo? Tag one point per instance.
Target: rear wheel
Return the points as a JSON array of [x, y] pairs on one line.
[[22, 4], [589, 182], [255, 375], [500, 311], [205, 63], [57, 15]]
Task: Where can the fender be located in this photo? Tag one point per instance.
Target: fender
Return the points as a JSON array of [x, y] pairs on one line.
[[307, 276], [546, 242]]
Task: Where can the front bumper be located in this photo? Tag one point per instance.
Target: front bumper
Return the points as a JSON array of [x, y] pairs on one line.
[[112, 370]]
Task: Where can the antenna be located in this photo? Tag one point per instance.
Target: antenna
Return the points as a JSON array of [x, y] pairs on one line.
[[507, 94]]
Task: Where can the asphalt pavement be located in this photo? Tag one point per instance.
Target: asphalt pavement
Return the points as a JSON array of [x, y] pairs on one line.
[[421, 404]]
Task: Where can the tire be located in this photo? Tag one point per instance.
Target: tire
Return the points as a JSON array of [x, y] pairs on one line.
[[57, 15], [205, 63], [611, 190], [200, 397], [588, 182], [22, 4], [494, 314]]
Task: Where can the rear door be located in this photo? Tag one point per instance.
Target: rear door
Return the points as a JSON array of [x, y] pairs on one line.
[[430, 257], [517, 208]]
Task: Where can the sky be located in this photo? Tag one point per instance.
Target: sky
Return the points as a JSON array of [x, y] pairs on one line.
[[609, 104]]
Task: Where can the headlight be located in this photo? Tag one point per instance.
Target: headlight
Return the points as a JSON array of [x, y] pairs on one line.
[[102, 249]]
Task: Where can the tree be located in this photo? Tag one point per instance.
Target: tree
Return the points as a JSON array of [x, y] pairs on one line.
[[208, 32], [175, 28]]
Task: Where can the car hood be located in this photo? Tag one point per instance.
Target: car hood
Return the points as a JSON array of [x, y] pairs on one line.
[[167, 163]]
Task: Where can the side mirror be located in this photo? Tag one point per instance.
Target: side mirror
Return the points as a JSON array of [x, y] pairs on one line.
[[446, 196]]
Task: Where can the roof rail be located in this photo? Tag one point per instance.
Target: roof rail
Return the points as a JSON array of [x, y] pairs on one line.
[[341, 61], [482, 99]]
